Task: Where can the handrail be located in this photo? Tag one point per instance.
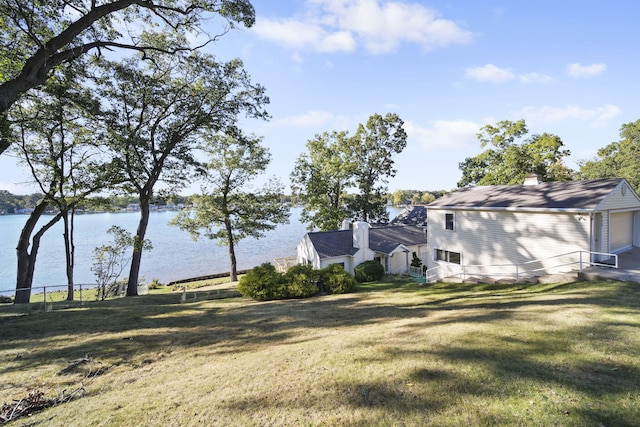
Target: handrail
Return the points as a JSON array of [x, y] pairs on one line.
[[520, 269]]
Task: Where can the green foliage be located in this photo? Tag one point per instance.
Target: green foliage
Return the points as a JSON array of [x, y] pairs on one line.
[[371, 150], [302, 281], [337, 280], [507, 162], [263, 283], [110, 260], [337, 162], [369, 271], [230, 211], [320, 180], [415, 260], [619, 159]]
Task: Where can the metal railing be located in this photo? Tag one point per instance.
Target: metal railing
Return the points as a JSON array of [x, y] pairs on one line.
[[518, 271], [47, 290]]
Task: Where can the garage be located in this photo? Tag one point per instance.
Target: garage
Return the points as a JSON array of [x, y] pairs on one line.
[[621, 231]]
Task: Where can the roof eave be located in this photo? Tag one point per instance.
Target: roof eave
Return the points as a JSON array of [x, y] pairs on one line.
[[515, 209]]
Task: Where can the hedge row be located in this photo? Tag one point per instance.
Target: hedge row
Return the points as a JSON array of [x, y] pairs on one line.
[[264, 283]]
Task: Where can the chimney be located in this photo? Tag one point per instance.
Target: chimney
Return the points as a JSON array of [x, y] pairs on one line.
[[532, 179], [345, 224], [360, 235]]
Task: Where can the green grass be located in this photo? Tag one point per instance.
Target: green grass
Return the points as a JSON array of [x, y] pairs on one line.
[[393, 353]]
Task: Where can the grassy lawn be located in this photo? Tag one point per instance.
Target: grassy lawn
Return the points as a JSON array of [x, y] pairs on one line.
[[391, 354]]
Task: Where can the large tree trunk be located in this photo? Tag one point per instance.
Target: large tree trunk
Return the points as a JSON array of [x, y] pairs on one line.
[[23, 286], [69, 250], [26, 259], [134, 272], [232, 251]]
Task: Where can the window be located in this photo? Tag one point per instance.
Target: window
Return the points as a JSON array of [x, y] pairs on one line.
[[446, 256], [448, 221]]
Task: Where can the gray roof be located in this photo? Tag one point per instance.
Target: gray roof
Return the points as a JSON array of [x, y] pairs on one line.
[[384, 240], [411, 215], [572, 195]]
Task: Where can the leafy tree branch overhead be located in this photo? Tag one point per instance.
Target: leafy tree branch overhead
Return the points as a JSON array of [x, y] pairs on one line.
[[36, 37]]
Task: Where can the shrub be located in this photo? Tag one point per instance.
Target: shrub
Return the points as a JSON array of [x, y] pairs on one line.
[[155, 284], [337, 280], [263, 283], [302, 281], [369, 271]]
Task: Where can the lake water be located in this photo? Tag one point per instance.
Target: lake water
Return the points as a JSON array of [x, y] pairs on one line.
[[174, 255]]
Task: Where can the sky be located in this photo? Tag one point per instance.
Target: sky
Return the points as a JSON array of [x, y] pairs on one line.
[[447, 68]]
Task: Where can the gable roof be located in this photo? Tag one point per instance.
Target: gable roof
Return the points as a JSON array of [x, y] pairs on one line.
[[386, 239], [329, 244], [411, 215], [572, 195]]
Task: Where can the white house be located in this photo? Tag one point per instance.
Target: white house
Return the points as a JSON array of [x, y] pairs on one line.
[[496, 229], [392, 246]]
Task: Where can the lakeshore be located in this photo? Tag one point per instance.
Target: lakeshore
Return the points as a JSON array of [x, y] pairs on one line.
[[174, 257]]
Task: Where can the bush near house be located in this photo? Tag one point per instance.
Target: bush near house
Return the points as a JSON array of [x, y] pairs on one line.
[[369, 271], [337, 280], [264, 283], [302, 281]]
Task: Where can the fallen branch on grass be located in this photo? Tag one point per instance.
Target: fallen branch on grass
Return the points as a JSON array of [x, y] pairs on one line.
[[35, 401]]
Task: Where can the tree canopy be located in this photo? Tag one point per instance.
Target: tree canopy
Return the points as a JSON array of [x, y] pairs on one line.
[[159, 112], [229, 210], [620, 159], [336, 163], [38, 36], [508, 162]]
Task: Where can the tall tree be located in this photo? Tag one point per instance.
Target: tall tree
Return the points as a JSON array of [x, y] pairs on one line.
[[158, 112], [38, 36], [320, 180], [620, 159], [337, 162], [229, 210], [52, 123], [509, 162], [371, 149]]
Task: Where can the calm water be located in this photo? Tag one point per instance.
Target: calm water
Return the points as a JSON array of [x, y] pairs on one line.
[[174, 255]]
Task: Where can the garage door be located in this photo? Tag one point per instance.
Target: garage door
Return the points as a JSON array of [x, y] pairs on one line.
[[621, 231]]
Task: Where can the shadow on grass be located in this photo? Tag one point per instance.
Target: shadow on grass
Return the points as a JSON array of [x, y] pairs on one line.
[[152, 325]]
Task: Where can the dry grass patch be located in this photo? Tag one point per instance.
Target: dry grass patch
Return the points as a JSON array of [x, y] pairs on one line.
[[391, 354]]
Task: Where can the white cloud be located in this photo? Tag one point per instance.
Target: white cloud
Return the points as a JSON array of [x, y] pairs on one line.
[[535, 78], [489, 73], [548, 114], [377, 26], [449, 134], [579, 71], [494, 74]]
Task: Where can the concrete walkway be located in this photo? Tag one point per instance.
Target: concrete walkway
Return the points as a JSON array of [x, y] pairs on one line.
[[628, 268]]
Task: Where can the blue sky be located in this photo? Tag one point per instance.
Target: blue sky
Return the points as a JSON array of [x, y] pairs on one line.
[[446, 67]]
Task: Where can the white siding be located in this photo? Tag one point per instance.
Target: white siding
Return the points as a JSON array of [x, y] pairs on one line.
[[346, 260], [306, 253], [616, 200], [505, 237]]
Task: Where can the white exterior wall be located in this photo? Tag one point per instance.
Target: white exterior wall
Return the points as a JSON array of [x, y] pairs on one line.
[[506, 237], [346, 260], [622, 199], [616, 200], [306, 253]]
